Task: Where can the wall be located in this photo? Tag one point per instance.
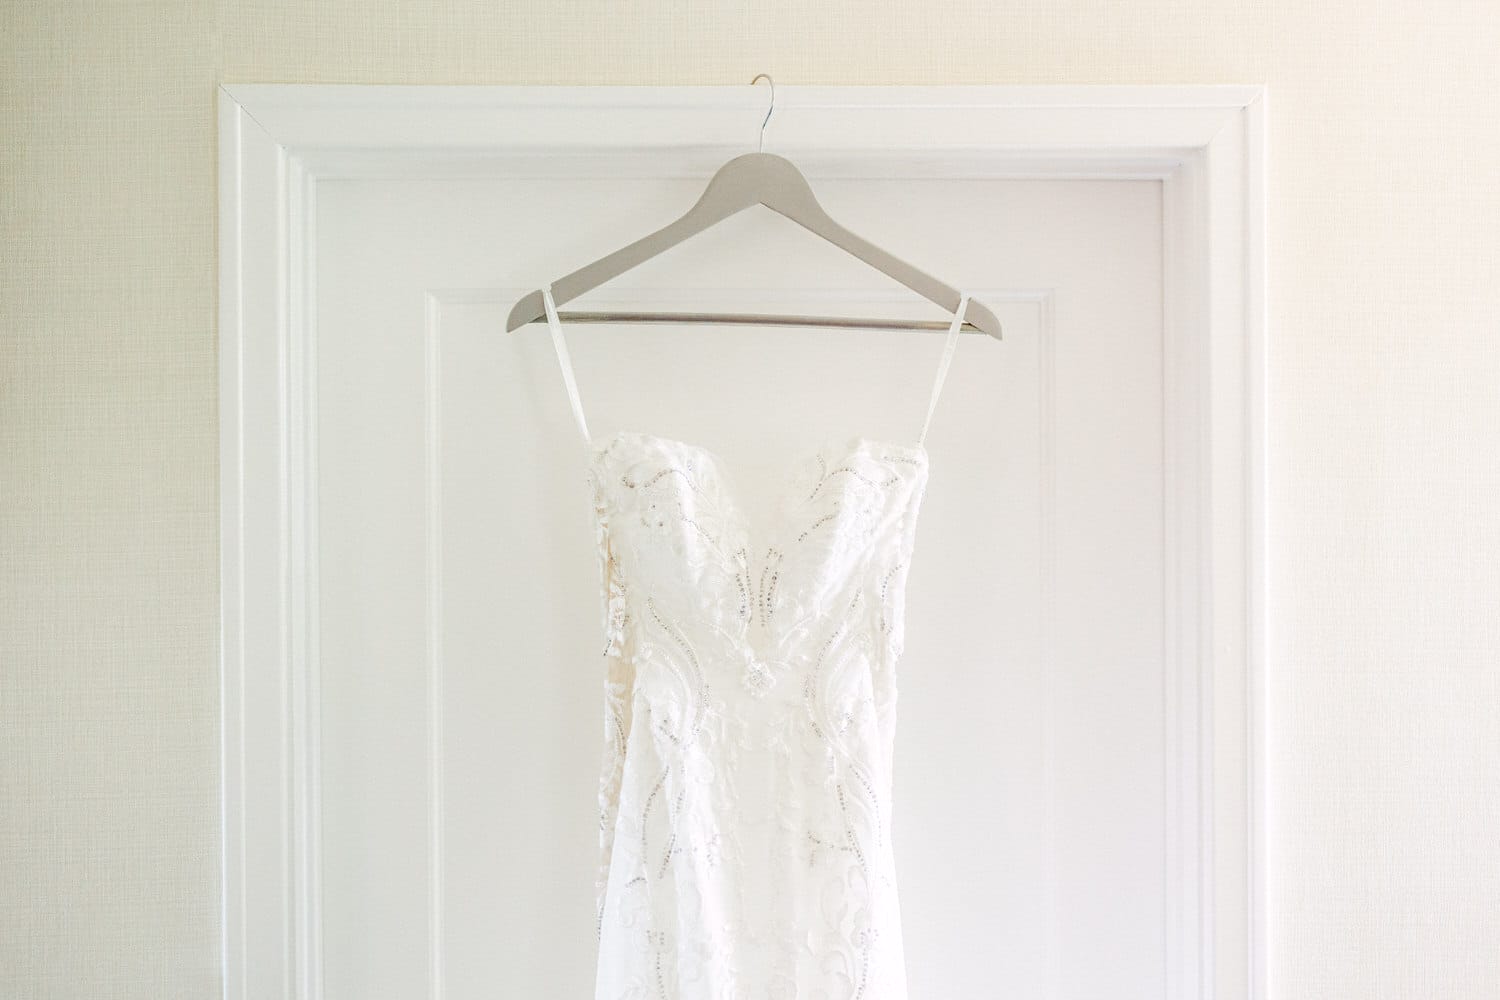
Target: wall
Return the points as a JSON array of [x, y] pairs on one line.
[[1385, 470]]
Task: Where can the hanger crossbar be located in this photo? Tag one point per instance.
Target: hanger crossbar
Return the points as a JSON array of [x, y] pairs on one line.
[[758, 319]]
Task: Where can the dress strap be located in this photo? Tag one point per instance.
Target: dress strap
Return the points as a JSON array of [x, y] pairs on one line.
[[942, 373], [563, 362]]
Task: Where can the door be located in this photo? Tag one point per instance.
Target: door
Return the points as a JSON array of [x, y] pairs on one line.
[[460, 702]]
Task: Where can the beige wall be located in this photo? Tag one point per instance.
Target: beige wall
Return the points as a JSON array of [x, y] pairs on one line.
[[1385, 427]]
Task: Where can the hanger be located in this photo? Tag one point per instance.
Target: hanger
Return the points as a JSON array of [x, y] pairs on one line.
[[758, 178]]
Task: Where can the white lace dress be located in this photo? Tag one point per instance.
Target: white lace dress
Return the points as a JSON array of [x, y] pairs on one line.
[[750, 710]]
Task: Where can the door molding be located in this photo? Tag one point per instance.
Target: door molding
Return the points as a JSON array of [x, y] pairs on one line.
[[1205, 143]]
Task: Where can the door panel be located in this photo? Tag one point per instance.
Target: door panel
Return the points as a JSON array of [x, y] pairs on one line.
[[460, 620]]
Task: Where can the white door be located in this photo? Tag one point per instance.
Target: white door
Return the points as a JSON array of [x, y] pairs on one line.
[[461, 702]]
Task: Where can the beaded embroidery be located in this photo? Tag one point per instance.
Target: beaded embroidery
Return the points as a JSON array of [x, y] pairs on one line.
[[739, 781]]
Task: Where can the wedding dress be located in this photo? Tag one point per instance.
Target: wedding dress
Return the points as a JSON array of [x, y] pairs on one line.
[[750, 706]]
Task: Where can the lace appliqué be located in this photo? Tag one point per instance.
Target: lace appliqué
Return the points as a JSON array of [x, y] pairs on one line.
[[749, 695]]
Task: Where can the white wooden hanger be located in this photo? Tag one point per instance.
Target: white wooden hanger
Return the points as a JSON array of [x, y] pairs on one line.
[[757, 178]]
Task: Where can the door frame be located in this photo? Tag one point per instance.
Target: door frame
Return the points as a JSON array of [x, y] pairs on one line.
[[1205, 143]]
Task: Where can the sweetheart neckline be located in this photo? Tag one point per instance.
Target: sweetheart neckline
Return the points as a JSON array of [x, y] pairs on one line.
[[852, 445], [781, 502]]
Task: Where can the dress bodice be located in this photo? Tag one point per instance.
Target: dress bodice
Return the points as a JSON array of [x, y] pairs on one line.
[[749, 734]]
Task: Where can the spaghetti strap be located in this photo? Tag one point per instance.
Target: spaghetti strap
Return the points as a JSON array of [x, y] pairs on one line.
[[942, 373], [555, 325]]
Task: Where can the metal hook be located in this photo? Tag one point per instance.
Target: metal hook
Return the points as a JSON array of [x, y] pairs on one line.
[[760, 148]]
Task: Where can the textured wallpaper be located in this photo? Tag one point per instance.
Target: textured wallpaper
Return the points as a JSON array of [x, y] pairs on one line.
[[1384, 406]]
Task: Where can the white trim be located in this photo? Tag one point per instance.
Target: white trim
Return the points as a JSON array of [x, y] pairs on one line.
[[1206, 143], [436, 772], [1186, 711], [232, 615], [1049, 617], [302, 465]]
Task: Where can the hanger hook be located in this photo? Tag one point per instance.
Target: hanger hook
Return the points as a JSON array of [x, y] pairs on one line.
[[760, 148]]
